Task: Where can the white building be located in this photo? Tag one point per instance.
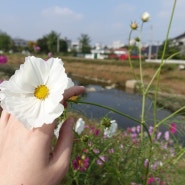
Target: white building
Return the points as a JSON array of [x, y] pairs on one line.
[[179, 41], [98, 52], [20, 42]]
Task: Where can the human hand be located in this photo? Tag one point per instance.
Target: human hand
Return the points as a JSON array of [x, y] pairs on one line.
[[25, 154]]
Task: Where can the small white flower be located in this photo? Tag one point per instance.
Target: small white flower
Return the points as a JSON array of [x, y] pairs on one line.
[[167, 135], [145, 17], [132, 42], [57, 130], [33, 94], [110, 131], [160, 163], [79, 126]]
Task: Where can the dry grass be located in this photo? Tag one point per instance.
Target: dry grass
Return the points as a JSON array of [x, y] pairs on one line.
[[171, 81]]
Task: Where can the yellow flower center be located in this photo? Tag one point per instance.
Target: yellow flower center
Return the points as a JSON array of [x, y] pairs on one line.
[[41, 92]]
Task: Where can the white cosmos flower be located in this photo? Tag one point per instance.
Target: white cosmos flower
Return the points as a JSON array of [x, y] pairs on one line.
[[145, 17], [57, 130], [79, 126], [110, 131], [33, 94]]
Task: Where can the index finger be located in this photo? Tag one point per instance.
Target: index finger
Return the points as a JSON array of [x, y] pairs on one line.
[[73, 91]]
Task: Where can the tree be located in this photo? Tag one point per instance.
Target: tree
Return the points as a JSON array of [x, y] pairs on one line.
[[52, 40], [6, 42], [63, 46], [42, 43], [52, 43], [170, 50], [84, 41]]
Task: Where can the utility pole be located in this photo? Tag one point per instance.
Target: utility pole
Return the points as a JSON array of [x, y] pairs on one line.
[[157, 49], [58, 43], [150, 44]]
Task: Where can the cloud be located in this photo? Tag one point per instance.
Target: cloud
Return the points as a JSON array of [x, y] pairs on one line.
[[61, 12], [60, 19]]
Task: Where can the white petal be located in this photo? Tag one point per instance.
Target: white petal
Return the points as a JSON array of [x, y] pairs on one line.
[[57, 130], [17, 94], [39, 68], [109, 132], [58, 75], [70, 83], [79, 126]]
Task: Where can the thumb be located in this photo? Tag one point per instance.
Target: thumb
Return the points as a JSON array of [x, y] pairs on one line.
[[62, 151]]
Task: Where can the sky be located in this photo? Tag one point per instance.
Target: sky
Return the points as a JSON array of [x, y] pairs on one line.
[[104, 21]]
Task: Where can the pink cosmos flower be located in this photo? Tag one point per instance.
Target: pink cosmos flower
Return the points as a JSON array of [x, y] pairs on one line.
[[173, 128], [85, 150], [138, 128], [154, 166], [150, 180], [50, 54], [151, 130], [3, 59], [102, 159], [146, 162], [121, 146], [96, 151], [159, 135], [36, 48], [167, 135], [81, 163], [111, 150], [94, 131], [133, 135], [133, 129]]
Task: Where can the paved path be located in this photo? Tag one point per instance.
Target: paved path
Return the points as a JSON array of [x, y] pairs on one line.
[[166, 61]]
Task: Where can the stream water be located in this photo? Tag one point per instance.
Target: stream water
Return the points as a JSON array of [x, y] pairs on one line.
[[128, 103]]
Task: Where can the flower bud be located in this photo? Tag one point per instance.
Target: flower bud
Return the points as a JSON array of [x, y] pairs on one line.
[[84, 138], [137, 39], [134, 26], [145, 17]]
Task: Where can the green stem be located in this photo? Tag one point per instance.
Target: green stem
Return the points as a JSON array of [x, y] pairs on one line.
[[143, 115], [157, 87], [129, 55], [142, 85], [140, 56], [96, 156], [115, 111], [108, 108], [170, 116], [159, 72], [174, 159]]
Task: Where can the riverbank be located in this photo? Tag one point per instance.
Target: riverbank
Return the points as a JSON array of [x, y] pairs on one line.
[[115, 74]]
